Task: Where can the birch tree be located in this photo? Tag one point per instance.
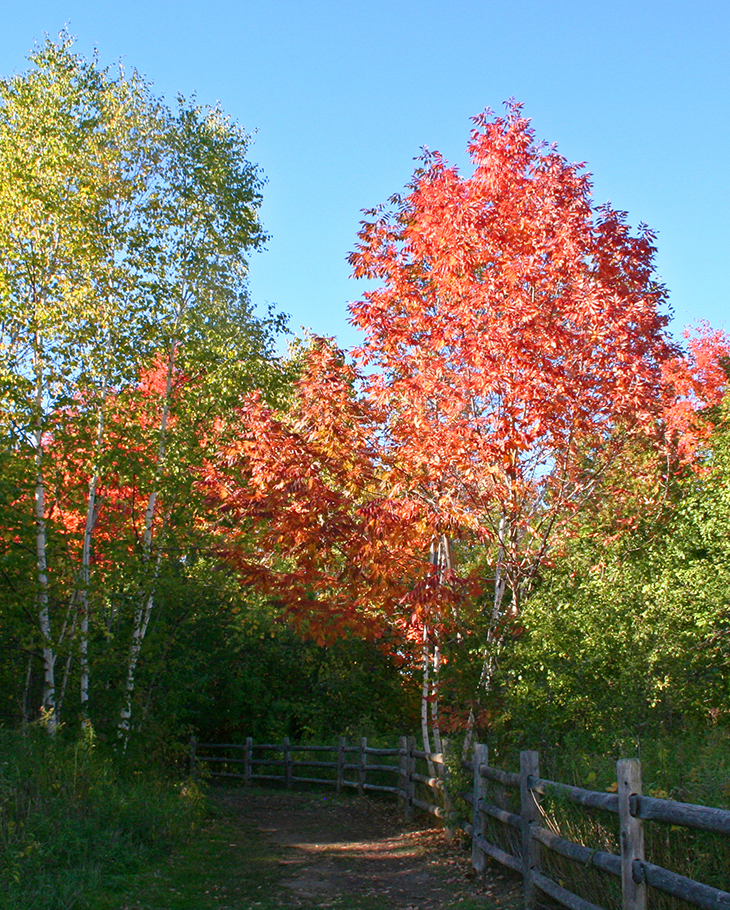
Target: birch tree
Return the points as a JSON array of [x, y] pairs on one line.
[[199, 227], [67, 129], [124, 230]]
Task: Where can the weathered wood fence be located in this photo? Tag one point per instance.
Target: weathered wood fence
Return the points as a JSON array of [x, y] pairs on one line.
[[632, 808], [413, 774], [357, 766]]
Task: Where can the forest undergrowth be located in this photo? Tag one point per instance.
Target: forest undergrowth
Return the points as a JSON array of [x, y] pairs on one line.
[[70, 819], [82, 830]]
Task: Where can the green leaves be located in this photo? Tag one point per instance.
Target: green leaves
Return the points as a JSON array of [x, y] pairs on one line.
[[628, 636], [126, 332]]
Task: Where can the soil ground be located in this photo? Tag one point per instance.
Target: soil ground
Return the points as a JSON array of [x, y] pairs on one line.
[[358, 853], [275, 850]]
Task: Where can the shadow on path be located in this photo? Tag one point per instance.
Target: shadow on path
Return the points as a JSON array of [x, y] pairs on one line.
[[335, 849]]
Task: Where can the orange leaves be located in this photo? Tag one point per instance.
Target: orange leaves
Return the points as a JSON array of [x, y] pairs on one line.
[[697, 383], [516, 328], [305, 515]]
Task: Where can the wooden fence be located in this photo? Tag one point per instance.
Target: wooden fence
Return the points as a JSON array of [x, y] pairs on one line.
[[410, 775], [420, 774], [632, 808]]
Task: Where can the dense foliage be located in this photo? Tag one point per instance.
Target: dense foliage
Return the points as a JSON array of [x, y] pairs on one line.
[[511, 500], [628, 636], [70, 821]]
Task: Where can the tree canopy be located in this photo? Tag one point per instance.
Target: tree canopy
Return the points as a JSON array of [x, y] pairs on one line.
[[126, 329], [197, 529]]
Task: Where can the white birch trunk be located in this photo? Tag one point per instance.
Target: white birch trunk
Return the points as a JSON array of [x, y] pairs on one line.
[[141, 621], [92, 514], [425, 691], [64, 682], [72, 618], [144, 611], [494, 633], [438, 747], [44, 618]]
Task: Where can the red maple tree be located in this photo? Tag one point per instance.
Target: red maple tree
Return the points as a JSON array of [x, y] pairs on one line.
[[515, 342], [305, 515], [698, 382], [513, 353]]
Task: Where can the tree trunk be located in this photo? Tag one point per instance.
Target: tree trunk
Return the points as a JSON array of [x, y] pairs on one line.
[[44, 619], [494, 635], [25, 703], [141, 621], [92, 514], [440, 557], [144, 612], [425, 691]]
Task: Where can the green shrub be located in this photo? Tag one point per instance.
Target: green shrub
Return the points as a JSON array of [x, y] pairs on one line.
[[69, 819]]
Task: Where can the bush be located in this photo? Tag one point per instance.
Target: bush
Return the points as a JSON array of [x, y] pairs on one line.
[[70, 819]]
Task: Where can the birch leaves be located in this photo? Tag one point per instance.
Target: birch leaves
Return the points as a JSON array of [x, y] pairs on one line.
[[125, 228]]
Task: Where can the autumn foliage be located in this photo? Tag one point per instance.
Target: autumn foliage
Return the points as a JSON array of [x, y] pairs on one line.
[[414, 492], [514, 352], [697, 382], [305, 515], [516, 338]]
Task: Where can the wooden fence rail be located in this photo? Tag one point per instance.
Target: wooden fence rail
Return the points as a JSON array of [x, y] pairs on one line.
[[369, 770], [632, 808], [417, 790]]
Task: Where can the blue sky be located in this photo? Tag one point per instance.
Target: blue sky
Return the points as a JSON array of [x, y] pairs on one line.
[[344, 94]]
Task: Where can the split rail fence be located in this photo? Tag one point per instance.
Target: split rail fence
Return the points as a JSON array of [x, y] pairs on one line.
[[420, 781], [397, 771]]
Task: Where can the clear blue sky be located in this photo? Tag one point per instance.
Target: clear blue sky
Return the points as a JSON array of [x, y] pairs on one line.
[[343, 95]]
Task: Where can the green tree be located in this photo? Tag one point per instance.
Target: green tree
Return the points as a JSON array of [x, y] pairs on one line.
[[629, 636], [126, 331], [67, 131]]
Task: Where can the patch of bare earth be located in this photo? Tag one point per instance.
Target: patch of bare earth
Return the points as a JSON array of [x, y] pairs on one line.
[[336, 848]]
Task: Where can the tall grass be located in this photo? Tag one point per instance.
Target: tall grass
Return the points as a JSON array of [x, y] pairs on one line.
[[694, 770], [70, 820]]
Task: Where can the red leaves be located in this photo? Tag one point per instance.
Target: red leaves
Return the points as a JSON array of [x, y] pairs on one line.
[[516, 329], [305, 514], [513, 349], [697, 383]]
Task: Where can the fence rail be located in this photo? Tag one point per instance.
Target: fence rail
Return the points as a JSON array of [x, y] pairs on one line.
[[410, 786], [360, 767], [632, 808]]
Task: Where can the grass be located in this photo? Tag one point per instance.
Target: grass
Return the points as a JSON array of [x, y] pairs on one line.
[[69, 820], [694, 770], [224, 865]]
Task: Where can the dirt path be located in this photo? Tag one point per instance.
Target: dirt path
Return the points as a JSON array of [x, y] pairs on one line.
[[343, 851]]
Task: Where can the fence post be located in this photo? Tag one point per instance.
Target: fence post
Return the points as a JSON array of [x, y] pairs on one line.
[[362, 770], [403, 776], [479, 791], [529, 767], [248, 767], [193, 755], [449, 827], [287, 762], [628, 775], [340, 763], [410, 782]]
